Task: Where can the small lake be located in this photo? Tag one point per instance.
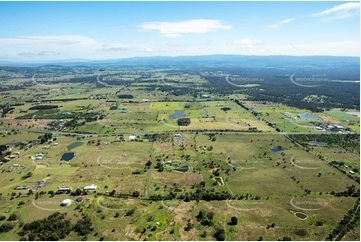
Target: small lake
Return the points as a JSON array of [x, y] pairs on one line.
[[182, 169], [176, 114], [178, 190], [301, 215], [219, 180], [67, 156], [277, 149], [307, 116], [74, 145], [301, 232], [317, 143]]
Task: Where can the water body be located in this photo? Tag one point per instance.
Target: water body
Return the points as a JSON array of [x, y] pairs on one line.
[[67, 156], [64, 112], [277, 149], [177, 114], [74, 145], [301, 215], [307, 116], [178, 190], [182, 169], [301, 232], [219, 180], [317, 143]]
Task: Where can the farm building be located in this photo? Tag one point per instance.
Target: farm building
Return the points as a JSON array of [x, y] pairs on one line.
[[79, 199], [123, 111], [91, 187], [64, 188], [20, 188], [66, 202], [132, 137]]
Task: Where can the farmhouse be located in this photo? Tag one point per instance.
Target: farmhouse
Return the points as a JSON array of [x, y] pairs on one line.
[[123, 111], [91, 187]]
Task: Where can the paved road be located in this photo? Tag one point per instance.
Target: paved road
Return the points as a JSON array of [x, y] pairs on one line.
[[172, 132]]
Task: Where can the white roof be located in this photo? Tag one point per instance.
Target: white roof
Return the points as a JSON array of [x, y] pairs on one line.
[[66, 201]]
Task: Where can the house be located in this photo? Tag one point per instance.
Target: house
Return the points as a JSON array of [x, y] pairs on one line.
[[318, 128], [17, 153], [64, 188], [352, 172], [38, 158], [16, 165], [123, 111], [145, 100], [91, 187], [79, 199], [339, 126], [56, 144], [132, 137]]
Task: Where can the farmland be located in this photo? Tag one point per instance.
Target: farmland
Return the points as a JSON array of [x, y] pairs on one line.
[[174, 155]]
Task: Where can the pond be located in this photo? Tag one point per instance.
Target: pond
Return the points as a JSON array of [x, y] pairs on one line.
[[301, 232], [67, 156], [317, 143], [182, 169], [277, 149], [307, 116], [301, 215], [219, 180], [177, 114], [74, 145], [177, 190]]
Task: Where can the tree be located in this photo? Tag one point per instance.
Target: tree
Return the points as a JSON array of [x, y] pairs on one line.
[[12, 217], [220, 234], [183, 121], [234, 220]]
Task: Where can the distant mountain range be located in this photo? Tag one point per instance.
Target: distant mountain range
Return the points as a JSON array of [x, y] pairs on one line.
[[266, 61]]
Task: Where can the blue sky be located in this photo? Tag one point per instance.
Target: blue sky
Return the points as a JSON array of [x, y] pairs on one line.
[[110, 30]]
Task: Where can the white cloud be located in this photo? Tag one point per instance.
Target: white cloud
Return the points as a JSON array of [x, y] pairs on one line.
[[246, 42], [341, 11], [286, 21], [65, 40], [176, 29], [149, 50], [273, 26], [41, 53]]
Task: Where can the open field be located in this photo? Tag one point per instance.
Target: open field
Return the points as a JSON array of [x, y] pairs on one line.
[[154, 175]]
